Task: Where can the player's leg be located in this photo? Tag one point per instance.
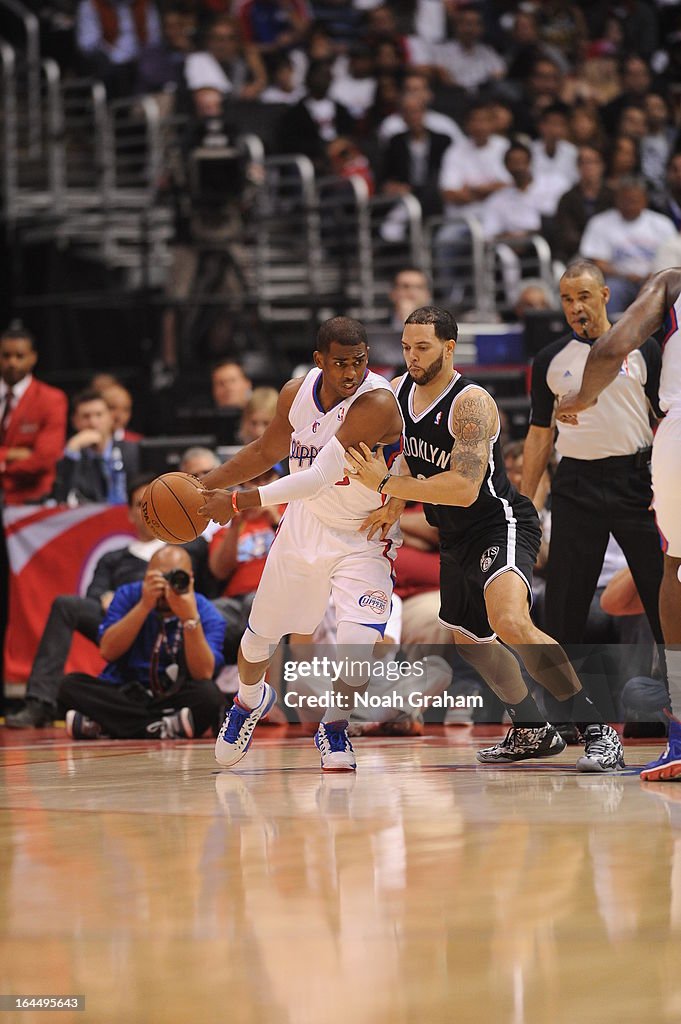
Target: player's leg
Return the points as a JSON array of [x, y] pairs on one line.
[[530, 735], [462, 609], [666, 467], [355, 647], [292, 595], [507, 601], [361, 585]]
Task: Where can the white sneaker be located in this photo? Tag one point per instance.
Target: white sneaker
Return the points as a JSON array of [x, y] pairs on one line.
[[331, 739], [236, 733], [603, 750]]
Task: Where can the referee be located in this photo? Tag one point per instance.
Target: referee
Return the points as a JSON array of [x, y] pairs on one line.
[[602, 484]]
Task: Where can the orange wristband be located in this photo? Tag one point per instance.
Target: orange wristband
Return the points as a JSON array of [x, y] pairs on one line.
[[234, 504]]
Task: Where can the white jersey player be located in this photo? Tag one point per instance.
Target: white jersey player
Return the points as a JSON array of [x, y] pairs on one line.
[[320, 550], [658, 304]]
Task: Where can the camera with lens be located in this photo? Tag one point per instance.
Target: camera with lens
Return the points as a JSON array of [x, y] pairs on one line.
[[217, 169], [178, 580]]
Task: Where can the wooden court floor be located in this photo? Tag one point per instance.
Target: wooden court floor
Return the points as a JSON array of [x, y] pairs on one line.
[[425, 889]]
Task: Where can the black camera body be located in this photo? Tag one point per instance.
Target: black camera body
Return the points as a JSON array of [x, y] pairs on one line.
[[178, 580]]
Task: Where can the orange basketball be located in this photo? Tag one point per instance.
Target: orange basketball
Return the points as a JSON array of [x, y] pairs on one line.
[[169, 508]]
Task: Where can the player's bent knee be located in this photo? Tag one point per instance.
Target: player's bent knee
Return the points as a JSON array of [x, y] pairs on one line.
[[510, 627], [255, 648]]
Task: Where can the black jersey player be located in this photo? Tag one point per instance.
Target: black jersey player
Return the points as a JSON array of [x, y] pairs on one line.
[[489, 540]]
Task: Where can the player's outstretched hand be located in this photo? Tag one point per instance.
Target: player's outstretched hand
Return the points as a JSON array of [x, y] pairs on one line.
[[217, 506], [570, 406], [367, 467]]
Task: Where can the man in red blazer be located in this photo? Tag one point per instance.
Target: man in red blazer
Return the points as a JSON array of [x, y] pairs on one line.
[[32, 422]]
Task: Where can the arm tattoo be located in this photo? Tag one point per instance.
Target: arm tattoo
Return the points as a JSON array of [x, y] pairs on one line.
[[474, 424]]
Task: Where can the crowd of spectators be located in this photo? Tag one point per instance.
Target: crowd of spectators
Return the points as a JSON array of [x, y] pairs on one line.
[[435, 99]]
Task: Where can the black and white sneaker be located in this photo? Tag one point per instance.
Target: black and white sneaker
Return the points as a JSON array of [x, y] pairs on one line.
[[603, 750], [520, 743], [179, 726]]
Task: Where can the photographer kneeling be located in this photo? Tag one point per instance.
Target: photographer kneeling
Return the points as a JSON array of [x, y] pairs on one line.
[[163, 645]]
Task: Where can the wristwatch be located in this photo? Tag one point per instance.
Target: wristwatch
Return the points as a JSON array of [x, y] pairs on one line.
[[190, 624]]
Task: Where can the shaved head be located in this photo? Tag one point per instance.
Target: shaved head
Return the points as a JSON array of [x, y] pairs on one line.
[[171, 557], [580, 267]]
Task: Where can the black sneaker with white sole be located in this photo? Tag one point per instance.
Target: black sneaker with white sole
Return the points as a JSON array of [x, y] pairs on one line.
[[522, 743], [603, 750], [80, 727]]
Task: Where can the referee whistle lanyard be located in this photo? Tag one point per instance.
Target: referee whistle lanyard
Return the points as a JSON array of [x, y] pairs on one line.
[[163, 645]]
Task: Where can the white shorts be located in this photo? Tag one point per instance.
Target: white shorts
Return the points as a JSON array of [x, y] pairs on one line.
[[666, 469], [310, 562]]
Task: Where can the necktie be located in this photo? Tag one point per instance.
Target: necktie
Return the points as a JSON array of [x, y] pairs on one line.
[[6, 413]]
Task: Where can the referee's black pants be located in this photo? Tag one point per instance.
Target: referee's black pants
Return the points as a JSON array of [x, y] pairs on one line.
[[589, 501]]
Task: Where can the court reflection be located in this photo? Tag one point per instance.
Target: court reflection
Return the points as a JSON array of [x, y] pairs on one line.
[[421, 889]]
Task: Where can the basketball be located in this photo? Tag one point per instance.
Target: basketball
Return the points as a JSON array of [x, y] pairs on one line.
[[169, 508]]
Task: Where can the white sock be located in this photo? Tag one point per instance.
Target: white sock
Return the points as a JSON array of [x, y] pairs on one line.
[[673, 656], [250, 696]]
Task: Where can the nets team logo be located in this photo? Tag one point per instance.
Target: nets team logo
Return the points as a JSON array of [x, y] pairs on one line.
[[375, 600], [488, 557]]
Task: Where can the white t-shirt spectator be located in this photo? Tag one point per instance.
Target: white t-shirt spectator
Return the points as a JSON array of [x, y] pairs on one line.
[[512, 209], [202, 71], [470, 68], [273, 94], [468, 164], [323, 113], [434, 121], [430, 20], [357, 94], [630, 245], [655, 150], [668, 255], [562, 164]]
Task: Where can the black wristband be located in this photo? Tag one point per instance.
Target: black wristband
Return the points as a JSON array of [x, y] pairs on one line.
[[383, 483]]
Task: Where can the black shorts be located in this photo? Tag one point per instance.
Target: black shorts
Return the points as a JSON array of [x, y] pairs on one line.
[[469, 565]]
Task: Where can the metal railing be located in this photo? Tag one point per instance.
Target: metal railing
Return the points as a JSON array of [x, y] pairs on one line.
[[457, 262], [26, 29]]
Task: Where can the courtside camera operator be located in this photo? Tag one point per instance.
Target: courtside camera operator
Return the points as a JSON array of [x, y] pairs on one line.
[[213, 185]]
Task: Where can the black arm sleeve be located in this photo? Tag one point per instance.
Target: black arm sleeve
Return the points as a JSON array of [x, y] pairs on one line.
[[543, 399], [652, 355]]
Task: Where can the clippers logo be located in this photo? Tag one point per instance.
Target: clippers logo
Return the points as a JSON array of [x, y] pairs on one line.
[[315, 426], [375, 601], [437, 419], [301, 453], [488, 557]]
